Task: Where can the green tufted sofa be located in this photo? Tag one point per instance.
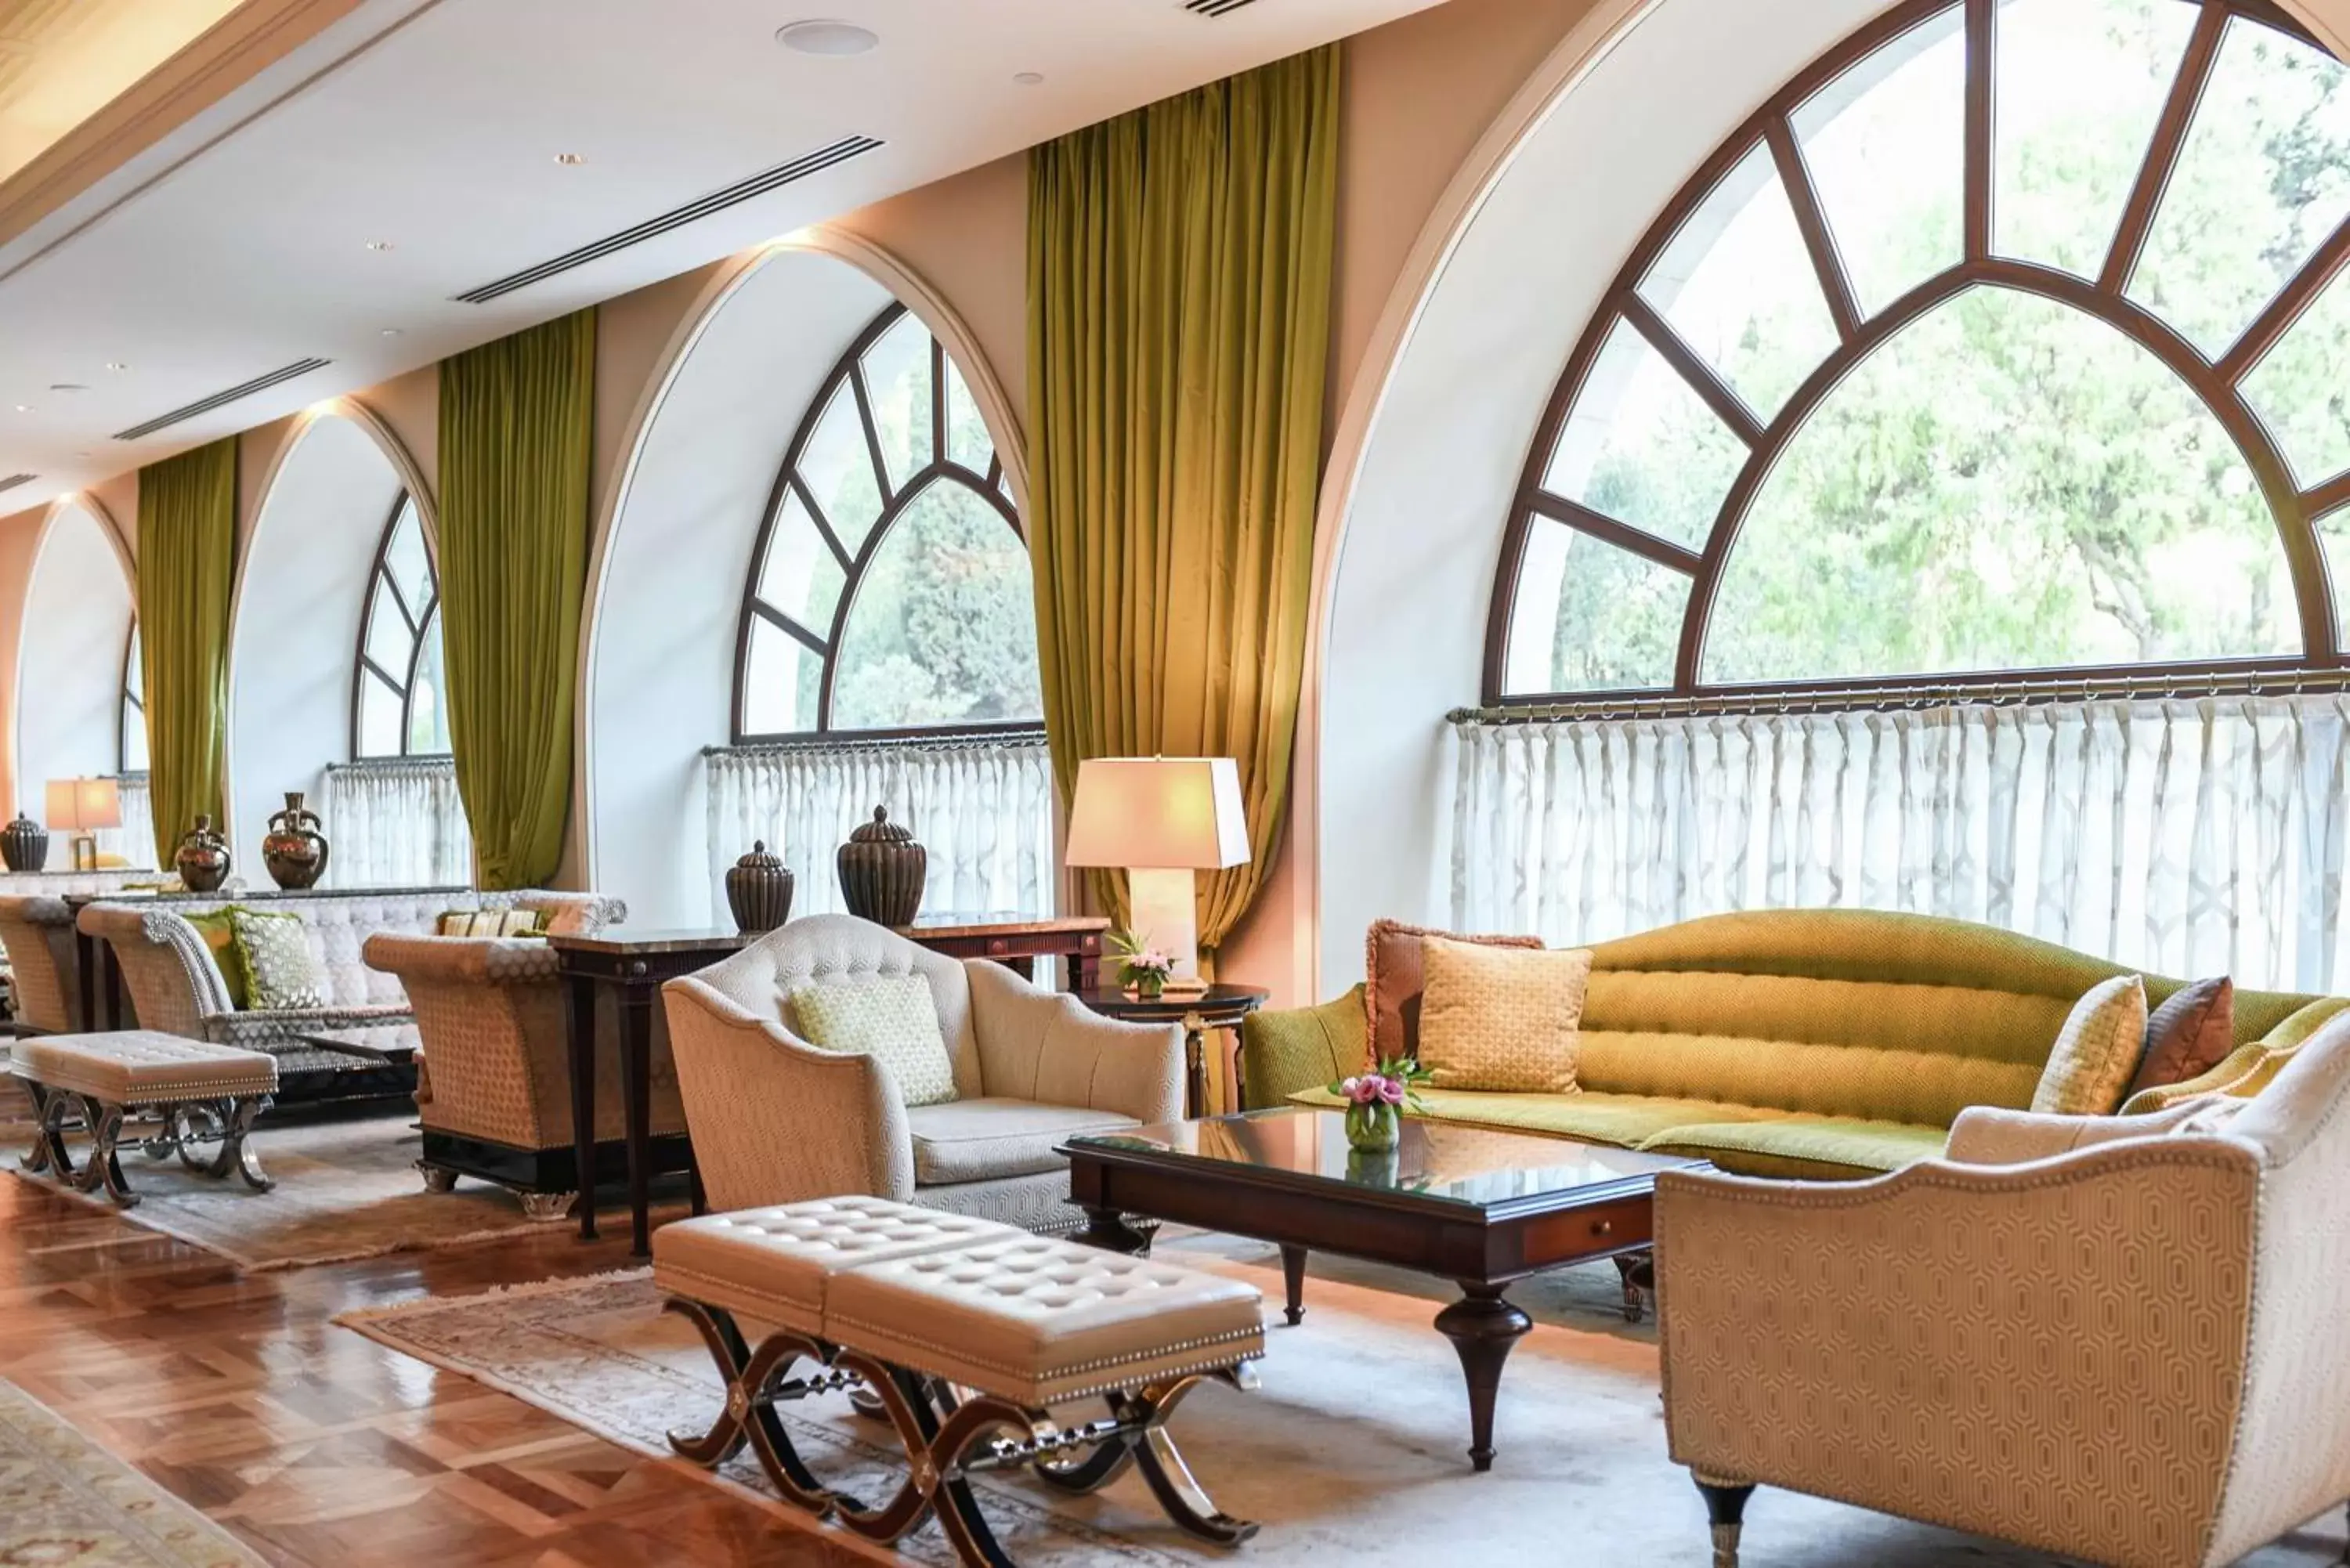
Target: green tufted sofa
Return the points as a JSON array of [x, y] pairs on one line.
[[1824, 1044]]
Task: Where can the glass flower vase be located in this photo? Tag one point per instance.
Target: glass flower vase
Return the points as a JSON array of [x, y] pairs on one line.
[[1374, 1129]]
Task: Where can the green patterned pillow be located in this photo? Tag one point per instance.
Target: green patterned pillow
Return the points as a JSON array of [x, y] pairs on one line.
[[893, 1020], [218, 927], [276, 953]]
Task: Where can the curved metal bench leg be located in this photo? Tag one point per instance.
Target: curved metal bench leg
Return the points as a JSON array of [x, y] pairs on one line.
[[749, 1416], [49, 1153], [1170, 1480], [237, 1152], [105, 1165], [907, 1404]]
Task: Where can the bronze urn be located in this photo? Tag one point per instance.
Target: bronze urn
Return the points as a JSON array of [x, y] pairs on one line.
[[759, 891], [25, 845], [202, 858], [293, 850], [881, 872]]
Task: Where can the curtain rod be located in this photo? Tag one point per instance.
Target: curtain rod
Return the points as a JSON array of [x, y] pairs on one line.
[[916, 742], [2022, 692]]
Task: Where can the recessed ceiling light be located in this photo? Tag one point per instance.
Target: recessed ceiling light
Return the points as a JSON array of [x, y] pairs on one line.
[[84, 456], [379, 244], [24, 407], [67, 387], [820, 37], [116, 365], [570, 160], [1029, 79], [390, 332]]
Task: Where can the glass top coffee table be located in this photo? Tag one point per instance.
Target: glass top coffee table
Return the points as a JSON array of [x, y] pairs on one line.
[[1477, 1207]]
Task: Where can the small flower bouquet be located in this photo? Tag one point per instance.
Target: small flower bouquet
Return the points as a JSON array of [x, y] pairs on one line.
[[1375, 1100], [1144, 969]]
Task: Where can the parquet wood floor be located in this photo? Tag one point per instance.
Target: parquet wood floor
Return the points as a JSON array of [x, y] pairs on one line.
[[320, 1447]]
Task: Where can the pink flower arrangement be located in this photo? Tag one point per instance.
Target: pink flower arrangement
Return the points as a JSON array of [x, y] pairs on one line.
[[1394, 1081]]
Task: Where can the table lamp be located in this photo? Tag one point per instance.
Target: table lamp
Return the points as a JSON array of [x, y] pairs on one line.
[[84, 805], [1161, 819]]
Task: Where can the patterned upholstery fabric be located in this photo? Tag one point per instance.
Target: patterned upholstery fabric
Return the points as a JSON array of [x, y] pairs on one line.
[[889, 1018], [776, 1121], [1500, 1018], [1288, 1049], [2135, 1351], [135, 1066], [280, 973], [2096, 1051], [37, 933], [1394, 983]]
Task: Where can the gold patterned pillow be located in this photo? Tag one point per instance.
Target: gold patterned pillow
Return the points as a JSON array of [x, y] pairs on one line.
[[1507, 1020], [892, 1019], [2097, 1051], [277, 952]]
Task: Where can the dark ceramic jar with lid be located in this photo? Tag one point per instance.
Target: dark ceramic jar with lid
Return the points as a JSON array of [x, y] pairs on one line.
[[759, 891], [25, 845], [881, 872]]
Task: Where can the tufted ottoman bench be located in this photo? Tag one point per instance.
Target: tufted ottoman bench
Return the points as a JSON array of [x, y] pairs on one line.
[[171, 1095], [964, 1333]]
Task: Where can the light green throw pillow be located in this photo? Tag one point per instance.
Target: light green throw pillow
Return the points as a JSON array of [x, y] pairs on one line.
[[2096, 1051], [893, 1020], [276, 953], [218, 927]]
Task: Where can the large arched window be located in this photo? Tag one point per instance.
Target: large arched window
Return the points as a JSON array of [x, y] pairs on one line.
[[2007, 336], [398, 703], [890, 591], [133, 726]]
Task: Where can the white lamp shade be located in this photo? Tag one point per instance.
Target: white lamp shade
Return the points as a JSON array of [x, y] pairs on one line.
[[1172, 813], [84, 805]]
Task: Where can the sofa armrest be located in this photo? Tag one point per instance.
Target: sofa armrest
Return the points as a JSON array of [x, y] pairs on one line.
[[280, 1027], [1877, 1341], [1047, 1046], [1289, 1051], [173, 981], [1988, 1135], [776, 1121], [2246, 1070], [462, 961]]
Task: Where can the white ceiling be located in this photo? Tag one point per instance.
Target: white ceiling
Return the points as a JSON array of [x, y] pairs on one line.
[[239, 242]]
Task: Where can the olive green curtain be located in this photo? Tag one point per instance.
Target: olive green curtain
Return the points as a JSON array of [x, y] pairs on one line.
[[187, 560], [516, 430], [1180, 274]]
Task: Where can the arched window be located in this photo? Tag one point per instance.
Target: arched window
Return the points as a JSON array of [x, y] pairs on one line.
[[2007, 336], [890, 591], [398, 703], [134, 706]]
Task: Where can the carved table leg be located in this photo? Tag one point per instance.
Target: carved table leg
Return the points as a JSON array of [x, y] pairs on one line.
[[581, 1000], [635, 1096], [1292, 1280], [1640, 1274], [1108, 1229], [1483, 1328], [1725, 1510]]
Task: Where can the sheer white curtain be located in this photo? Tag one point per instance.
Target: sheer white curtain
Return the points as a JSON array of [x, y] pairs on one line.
[[397, 825], [2191, 836], [135, 839], [982, 810]]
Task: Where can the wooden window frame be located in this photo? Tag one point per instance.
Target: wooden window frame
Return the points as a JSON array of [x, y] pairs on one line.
[[418, 623], [849, 369], [133, 703], [2218, 383]]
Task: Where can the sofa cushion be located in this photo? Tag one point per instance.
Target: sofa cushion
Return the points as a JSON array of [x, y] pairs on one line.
[[1393, 983], [275, 952], [1809, 1149], [1625, 1119], [892, 1019], [2089, 1069], [2190, 1033], [1501, 1019], [986, 1140], [218, 929]]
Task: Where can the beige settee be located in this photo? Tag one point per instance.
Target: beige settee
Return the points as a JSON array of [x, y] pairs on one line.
[[776, 1121], [2132, 1350], [493, 1084]]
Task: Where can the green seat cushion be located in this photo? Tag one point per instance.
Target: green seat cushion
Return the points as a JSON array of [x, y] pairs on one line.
[[1626, 1119], [1828, 1148], [218, 927], [1293, 1049]]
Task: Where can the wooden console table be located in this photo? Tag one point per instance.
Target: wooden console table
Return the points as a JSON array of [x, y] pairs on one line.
[[635, 963]]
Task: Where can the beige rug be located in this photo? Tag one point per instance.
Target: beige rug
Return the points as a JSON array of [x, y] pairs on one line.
[[66, 1502], [1351, 1453], [346, 1188]]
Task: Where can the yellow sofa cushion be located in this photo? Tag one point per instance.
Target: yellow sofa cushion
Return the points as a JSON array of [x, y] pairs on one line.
[[1625, 1119], [1809, 1149], [2096, 1051], [1501, 1019]]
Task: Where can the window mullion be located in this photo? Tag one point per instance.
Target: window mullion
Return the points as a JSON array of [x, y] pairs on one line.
[[2162, 149], [1983, 32], [1795, 178], [1727, 405], [2276, 318]]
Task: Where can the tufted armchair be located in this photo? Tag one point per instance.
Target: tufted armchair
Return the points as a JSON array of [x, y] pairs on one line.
[[774, 1119], [176, 986], [2128, 1349], [493, 1068]]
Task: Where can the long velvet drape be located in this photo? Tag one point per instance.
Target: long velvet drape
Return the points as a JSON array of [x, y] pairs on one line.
[[187, 560], [1179, 282], [516, 432]]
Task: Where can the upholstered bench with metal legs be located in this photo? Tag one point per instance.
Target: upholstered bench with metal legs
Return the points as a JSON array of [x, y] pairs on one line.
[[158, 1092], [964, 1332]]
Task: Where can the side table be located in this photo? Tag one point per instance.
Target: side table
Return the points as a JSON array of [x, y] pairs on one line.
[[1221, 1007]]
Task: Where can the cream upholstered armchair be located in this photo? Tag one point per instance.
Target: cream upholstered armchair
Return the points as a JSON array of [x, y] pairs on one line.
[[2131, 1349], [37, 933], [774, 1119]]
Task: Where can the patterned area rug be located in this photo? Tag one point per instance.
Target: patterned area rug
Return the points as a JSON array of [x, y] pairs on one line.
[[346, 1188], [63, 1500], [1351, 1452]]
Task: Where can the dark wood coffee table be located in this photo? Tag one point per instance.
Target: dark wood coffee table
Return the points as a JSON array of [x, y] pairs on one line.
[[1478, 1207]]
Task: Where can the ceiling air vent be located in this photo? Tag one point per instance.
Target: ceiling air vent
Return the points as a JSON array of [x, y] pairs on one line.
[[1215, 7], [742, 191], [223, 397], [10, 482]]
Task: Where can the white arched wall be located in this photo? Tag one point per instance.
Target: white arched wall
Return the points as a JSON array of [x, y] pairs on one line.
[[301, 590], [657, 676], [78, 615]]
